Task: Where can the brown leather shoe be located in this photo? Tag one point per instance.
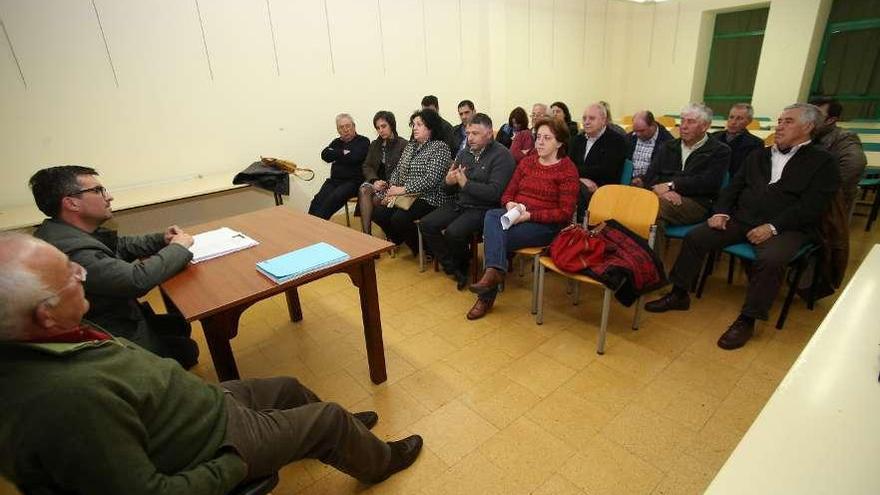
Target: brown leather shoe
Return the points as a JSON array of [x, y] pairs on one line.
[[736, 336], [670, 301], [492, 278], [480, 308]]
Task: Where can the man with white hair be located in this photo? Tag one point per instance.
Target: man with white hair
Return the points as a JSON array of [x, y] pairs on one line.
[[774, 203], [737, 135], [97, 414], [539, 111], [345, 155], [687, 173]]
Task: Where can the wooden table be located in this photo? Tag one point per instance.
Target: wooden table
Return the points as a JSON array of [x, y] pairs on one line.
[[216, 292], [819, 431]]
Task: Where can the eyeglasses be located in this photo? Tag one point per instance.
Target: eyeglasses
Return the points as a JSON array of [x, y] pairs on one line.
[[77, 275], [97, 190]]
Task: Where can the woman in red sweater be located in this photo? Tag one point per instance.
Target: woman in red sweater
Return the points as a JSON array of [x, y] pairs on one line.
[[539, 200]]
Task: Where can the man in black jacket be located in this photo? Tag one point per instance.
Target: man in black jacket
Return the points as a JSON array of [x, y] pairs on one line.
[[737, 136], [775, 203], [345, 155], [687, 173], [478, 175], [645, 139], [433, 103], [598, 155], [459, 133]]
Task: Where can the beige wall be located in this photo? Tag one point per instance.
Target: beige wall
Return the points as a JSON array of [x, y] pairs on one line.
[[173, 104]]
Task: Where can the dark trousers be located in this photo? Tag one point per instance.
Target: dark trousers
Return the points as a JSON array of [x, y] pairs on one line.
[[447, 232], [275, 421], [767, 271], [399, 226], [584, 196], [167, 335], [332, 196]]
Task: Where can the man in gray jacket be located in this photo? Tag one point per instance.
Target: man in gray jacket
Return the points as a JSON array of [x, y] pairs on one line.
[[478, 175], [120, 268]]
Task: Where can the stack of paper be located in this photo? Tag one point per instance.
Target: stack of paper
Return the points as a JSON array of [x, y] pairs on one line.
[[218, 243], [300, 262]]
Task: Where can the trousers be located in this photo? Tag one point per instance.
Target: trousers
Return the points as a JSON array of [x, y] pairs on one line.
[[773, 256], [275, 421]]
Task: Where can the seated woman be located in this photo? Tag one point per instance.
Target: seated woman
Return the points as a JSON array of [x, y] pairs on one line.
[[522, 143], [382, 158], [415, 188], [543, 191], [560, 112]]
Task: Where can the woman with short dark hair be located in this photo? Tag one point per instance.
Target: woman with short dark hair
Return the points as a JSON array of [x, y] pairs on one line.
[[522, 143], [415, 187], [543, 192], [560, 112], [382, 158]]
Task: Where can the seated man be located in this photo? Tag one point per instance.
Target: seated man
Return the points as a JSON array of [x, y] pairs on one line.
[[122, 268], [433, 103], [737, 136], [539, 112], [844, 145], [598, 155], [459, 133], [686, 173], [775, 203], [97, 414], [478, 175], [646, 137], [345, 155]]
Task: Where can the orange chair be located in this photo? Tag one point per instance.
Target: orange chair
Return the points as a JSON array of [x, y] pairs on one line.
[[634, 208]]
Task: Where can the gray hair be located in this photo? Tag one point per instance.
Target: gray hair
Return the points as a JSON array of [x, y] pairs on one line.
[[540, 105], [343, 116], [747, 107], [810, 114], [700, 109], [603, 111], [605, 106], [21, 291]]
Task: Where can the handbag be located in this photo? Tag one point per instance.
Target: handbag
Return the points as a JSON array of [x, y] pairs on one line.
[[403, 201], [288, 166], [576, 248]]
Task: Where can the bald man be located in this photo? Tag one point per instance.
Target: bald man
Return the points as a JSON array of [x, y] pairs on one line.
[[646, 137], [98, 414], [598, 155]]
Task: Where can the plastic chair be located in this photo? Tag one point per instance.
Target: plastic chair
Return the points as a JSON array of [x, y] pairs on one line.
[[666, 121], [626, 120], [746, 251], [770, 139], [634, 208], [754, 125], [262, 486], [626, 176]]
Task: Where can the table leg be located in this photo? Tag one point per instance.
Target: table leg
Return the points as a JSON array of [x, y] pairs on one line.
[[293, 307], [219, 330], [364, 277]]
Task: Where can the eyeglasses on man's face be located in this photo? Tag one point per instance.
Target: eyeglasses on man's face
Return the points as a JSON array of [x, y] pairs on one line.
[[97, 190]]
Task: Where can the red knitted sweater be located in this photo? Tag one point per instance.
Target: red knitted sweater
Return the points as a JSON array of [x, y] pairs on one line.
[[548, 191]]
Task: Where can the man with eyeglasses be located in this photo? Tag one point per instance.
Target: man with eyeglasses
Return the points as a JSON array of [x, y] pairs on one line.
[[97, 414], [121, 268]]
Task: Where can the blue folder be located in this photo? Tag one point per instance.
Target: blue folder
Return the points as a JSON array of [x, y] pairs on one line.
[[300, 262]]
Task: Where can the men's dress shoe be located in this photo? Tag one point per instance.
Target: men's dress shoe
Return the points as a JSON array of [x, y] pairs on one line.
[[736, 336], [403, 454], [461, 279], [367, 418], [480, 308], [670, 301], [492, 278]]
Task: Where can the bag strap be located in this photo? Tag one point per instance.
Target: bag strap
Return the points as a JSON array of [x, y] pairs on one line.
[[290, 167]]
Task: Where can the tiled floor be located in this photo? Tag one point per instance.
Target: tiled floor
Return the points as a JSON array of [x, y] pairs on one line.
[[507, 406]]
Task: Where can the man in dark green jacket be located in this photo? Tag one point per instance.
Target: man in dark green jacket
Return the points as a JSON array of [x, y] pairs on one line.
[[84, 412], [122, 268]]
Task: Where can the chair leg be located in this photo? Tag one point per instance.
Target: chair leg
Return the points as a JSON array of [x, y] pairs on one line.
[[789, 298], [603, 326], [347, 219], [811, 297], [576, 295], [730, 269], [421, 249], [708, 267], [536, 268], [475, 260], [538, 294], [637, 317]]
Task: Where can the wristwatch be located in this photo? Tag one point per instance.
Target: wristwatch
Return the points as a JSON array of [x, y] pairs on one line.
[[671, 185], [773, 229]]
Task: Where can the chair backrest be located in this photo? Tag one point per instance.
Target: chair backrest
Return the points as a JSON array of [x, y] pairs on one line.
[[666, 121], [770, 139], [634, 207], [626, 176], [626, 119], [754, 125]]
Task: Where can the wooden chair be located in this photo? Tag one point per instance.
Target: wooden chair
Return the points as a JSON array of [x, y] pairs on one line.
[[666, 121], [770, 139], [754, 125], [353, 200], [627, 120], [634, 208]]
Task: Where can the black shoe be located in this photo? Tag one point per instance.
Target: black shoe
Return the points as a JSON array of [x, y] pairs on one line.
[[403, 454], [367, 418], [736, 336], [461, 279], [671, 301]]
